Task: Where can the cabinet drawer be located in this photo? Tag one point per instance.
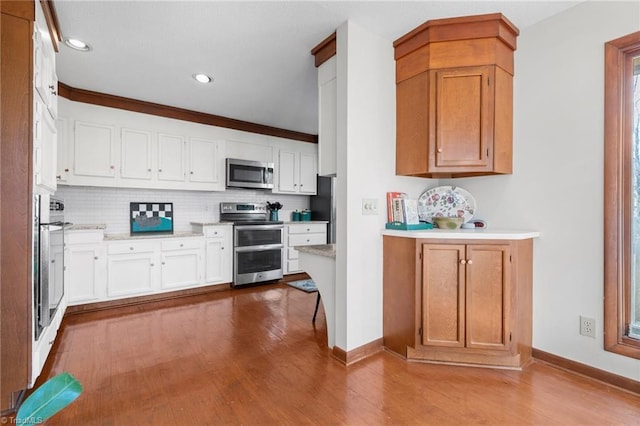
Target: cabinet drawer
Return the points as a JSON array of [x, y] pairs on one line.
[[187, 244], [307, 239], [130, 247], [216, 231], [309, 228]]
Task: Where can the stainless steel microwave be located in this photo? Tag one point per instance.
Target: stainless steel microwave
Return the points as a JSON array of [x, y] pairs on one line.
[[249, 174]]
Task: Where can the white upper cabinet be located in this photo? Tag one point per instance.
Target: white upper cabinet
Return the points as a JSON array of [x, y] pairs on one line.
[[296, 169], [115, 148], [136, 154], [203, 161], [94, 150], [45, 110], [171, 156], [327, 117]]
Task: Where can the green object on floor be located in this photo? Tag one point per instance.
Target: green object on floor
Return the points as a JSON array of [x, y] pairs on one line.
[[55, 394], [305, 285]]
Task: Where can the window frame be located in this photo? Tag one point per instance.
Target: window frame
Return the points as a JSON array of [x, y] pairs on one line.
[[618, 126]]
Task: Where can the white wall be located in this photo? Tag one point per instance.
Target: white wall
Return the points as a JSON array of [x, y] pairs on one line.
[[557, 182], [366, 169]]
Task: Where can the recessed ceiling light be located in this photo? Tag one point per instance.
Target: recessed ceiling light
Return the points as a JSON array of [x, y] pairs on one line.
[[202, 78], [76, 44]]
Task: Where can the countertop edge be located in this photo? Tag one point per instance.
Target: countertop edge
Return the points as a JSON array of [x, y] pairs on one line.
[[465, 234]]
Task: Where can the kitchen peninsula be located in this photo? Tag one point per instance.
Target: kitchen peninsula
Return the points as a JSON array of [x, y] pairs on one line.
[[319, 261], [460, 296]]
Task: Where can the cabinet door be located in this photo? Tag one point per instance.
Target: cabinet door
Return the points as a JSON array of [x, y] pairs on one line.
[[216, 257], [308, 173], [131, 274], [135, 162], [488, 296], [62, 157], [461, 118], [287, 172], [93, 150], [45, 147], [443, 310], [203, 161], [181, 268], [327, 118], [171, 154], [86, 273]]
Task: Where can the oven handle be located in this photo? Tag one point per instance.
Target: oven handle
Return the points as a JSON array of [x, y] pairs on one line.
[[257, 227], [258, 248]]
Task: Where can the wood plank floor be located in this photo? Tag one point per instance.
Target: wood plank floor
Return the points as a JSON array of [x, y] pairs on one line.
[[251, 356]]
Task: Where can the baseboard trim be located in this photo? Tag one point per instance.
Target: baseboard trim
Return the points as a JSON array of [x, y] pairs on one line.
[[587, 371], [357, 354], [139, 300]]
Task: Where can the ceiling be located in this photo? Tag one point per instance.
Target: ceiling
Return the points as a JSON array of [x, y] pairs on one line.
[[258, 52]]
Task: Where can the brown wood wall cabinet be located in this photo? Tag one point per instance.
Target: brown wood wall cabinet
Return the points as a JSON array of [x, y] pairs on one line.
[[458, 301], [16, 29], [454, 97]]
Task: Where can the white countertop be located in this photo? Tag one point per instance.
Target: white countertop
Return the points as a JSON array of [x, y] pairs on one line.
[[326, 250], [85, 227], [465, 234], [180, 234], [210, 223]]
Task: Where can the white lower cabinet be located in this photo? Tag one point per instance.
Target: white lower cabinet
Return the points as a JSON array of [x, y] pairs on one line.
[[182, 264], [100, 270], [86, 267], [302, 234], [218, 252], [131, 268]]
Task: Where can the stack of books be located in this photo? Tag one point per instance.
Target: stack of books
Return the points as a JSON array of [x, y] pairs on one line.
[[402, 212]]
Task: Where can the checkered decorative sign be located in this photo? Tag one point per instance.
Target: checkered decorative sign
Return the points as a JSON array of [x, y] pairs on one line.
[[151, 218]]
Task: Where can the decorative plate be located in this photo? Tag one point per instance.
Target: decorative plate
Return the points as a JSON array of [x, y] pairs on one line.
[[446, 201]]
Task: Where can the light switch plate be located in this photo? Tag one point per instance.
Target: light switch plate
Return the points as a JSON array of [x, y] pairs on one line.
[[369, 206]]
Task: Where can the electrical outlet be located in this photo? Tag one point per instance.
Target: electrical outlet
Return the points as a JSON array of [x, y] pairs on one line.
[[588, 327]]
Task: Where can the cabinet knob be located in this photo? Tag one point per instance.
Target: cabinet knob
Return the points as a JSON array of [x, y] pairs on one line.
[[215, 233], [439, 150], [130, 248], [58, 177], [152, 264], [163, 263], [221, 248], [181, 245], [462, 261], [66, 170], [295, 184], [160, 170], [112, 167], [148, 170], [191, 172], [53, 261], [95, 257], [469, 262]]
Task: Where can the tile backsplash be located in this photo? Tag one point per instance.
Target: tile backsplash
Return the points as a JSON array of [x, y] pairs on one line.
[[110, 206]]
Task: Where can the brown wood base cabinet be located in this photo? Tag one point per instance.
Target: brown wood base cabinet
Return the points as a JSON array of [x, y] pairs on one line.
[[458, 301]]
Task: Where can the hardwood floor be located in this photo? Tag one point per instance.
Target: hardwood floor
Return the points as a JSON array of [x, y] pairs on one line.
[[252, 356]]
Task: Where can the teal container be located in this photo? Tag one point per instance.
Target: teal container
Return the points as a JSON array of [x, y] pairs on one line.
[[295, 216], [305, 216], [273, 215]]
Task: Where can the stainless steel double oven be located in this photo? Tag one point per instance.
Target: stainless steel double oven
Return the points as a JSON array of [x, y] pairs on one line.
[[257, 243], [48, 259]]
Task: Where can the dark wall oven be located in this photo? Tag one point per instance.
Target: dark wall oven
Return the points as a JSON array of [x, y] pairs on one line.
[[48, 248], [257, 243]]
